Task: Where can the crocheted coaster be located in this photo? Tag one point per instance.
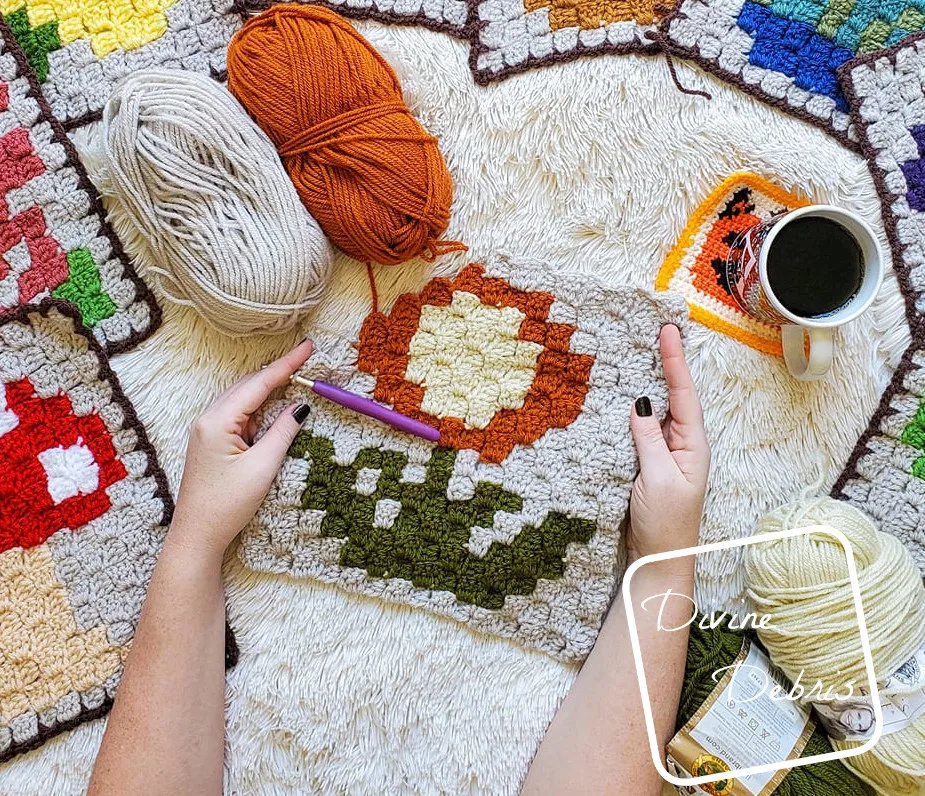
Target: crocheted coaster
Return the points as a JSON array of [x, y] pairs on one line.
[[885, 475], [446, 16], [787, 52], [83, 508], [696, 266], [510, 524], [80, 49], [887, 93], [510, 36], [54, 237]]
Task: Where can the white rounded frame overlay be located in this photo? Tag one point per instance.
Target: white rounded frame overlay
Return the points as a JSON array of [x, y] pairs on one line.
[[862, 628]]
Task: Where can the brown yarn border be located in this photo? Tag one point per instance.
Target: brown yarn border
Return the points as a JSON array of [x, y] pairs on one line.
[[246, 7], [485, 77], [21, 315], [869, 154], [884, 409], [693, 54], [143, 293]]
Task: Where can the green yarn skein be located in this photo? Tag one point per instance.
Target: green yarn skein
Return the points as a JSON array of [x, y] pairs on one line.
[[709, 650]]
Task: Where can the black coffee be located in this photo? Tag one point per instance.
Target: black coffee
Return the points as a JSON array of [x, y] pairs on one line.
[[815, 266]]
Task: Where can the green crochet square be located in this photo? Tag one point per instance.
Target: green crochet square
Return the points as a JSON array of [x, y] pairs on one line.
[[84, 288]]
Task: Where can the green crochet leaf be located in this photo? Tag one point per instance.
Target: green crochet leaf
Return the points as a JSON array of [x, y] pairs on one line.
[[36, 42], [427, 534], [914, 436], [84, 288]]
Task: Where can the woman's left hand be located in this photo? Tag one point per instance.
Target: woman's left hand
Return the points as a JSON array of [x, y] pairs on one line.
[[227, 475]]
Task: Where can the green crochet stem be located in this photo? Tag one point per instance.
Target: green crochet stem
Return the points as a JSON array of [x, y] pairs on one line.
[[914, 436], [36, 42], [426, 541], [84, 288], [710, 650]]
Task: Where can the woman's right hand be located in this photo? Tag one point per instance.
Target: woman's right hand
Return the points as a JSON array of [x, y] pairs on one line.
[[227, 475], [666, 505]]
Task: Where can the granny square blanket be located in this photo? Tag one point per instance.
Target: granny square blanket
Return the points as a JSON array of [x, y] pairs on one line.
[[510, 36], [83, 509], [887, 92], [511, 524], [787, 52], [54, 237], [885, 475]]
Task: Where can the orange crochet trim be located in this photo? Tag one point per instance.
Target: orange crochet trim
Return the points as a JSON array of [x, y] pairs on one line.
[[694, 267], [555, 394]]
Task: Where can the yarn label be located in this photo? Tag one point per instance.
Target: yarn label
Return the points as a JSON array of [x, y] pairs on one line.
[[902, 700], [740, 726]]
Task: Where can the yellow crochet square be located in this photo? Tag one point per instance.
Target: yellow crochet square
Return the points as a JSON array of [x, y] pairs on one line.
[[44, 656], [110, 25], [695, 267]]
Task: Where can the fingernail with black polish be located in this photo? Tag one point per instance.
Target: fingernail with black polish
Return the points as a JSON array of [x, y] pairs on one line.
[[300, 413], [643, 406]]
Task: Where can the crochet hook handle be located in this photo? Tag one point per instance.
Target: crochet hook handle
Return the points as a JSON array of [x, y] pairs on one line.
[[370, 408]]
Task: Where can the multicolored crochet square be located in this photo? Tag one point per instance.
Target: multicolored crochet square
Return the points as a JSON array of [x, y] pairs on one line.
[[511, 524], [83, 509], [510, 36], [887, 93], [54, 237], [885, 475], [696, 266], [80, 49], [787, 52], [447, 16]]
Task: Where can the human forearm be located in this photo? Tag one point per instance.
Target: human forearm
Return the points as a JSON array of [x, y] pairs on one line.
[[598, 738], [166, 730]]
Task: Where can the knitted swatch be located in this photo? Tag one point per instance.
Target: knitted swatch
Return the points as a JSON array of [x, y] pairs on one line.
[[80, 49], [887, 93], [54, 237], [787, 52], [885, 475], [696, 266], [510, 36], [83, 508], [511, 524]]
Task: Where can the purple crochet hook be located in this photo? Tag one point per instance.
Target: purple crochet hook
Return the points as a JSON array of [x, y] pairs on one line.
[[369, 408]]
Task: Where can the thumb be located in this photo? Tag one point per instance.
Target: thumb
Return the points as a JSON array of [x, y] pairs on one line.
[[279, 436], [650, 441]]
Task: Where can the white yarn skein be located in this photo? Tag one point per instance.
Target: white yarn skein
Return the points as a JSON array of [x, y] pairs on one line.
[[803, 584], [222, 218]]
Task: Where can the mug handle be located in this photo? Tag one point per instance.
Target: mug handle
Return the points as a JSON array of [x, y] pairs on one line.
[[821, 351]]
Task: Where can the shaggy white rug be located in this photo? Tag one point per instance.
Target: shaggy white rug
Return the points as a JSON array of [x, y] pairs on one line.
[[595, 166]]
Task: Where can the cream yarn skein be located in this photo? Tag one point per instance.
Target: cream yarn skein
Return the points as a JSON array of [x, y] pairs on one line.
[[803, 584], [206, 187]]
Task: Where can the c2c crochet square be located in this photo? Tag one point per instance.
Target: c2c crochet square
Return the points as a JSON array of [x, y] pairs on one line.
[[887, 93], [788, 52], [510, 36], [83, 510], [54, 237], [511, 524]]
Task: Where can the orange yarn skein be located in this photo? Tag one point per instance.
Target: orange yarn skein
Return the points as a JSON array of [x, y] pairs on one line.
[[362, 164]]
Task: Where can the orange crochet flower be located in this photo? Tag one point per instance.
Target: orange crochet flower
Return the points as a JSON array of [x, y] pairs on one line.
[[477, 359]]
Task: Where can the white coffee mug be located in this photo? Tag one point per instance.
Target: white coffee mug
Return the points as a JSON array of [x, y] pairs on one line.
[[808, 342]]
